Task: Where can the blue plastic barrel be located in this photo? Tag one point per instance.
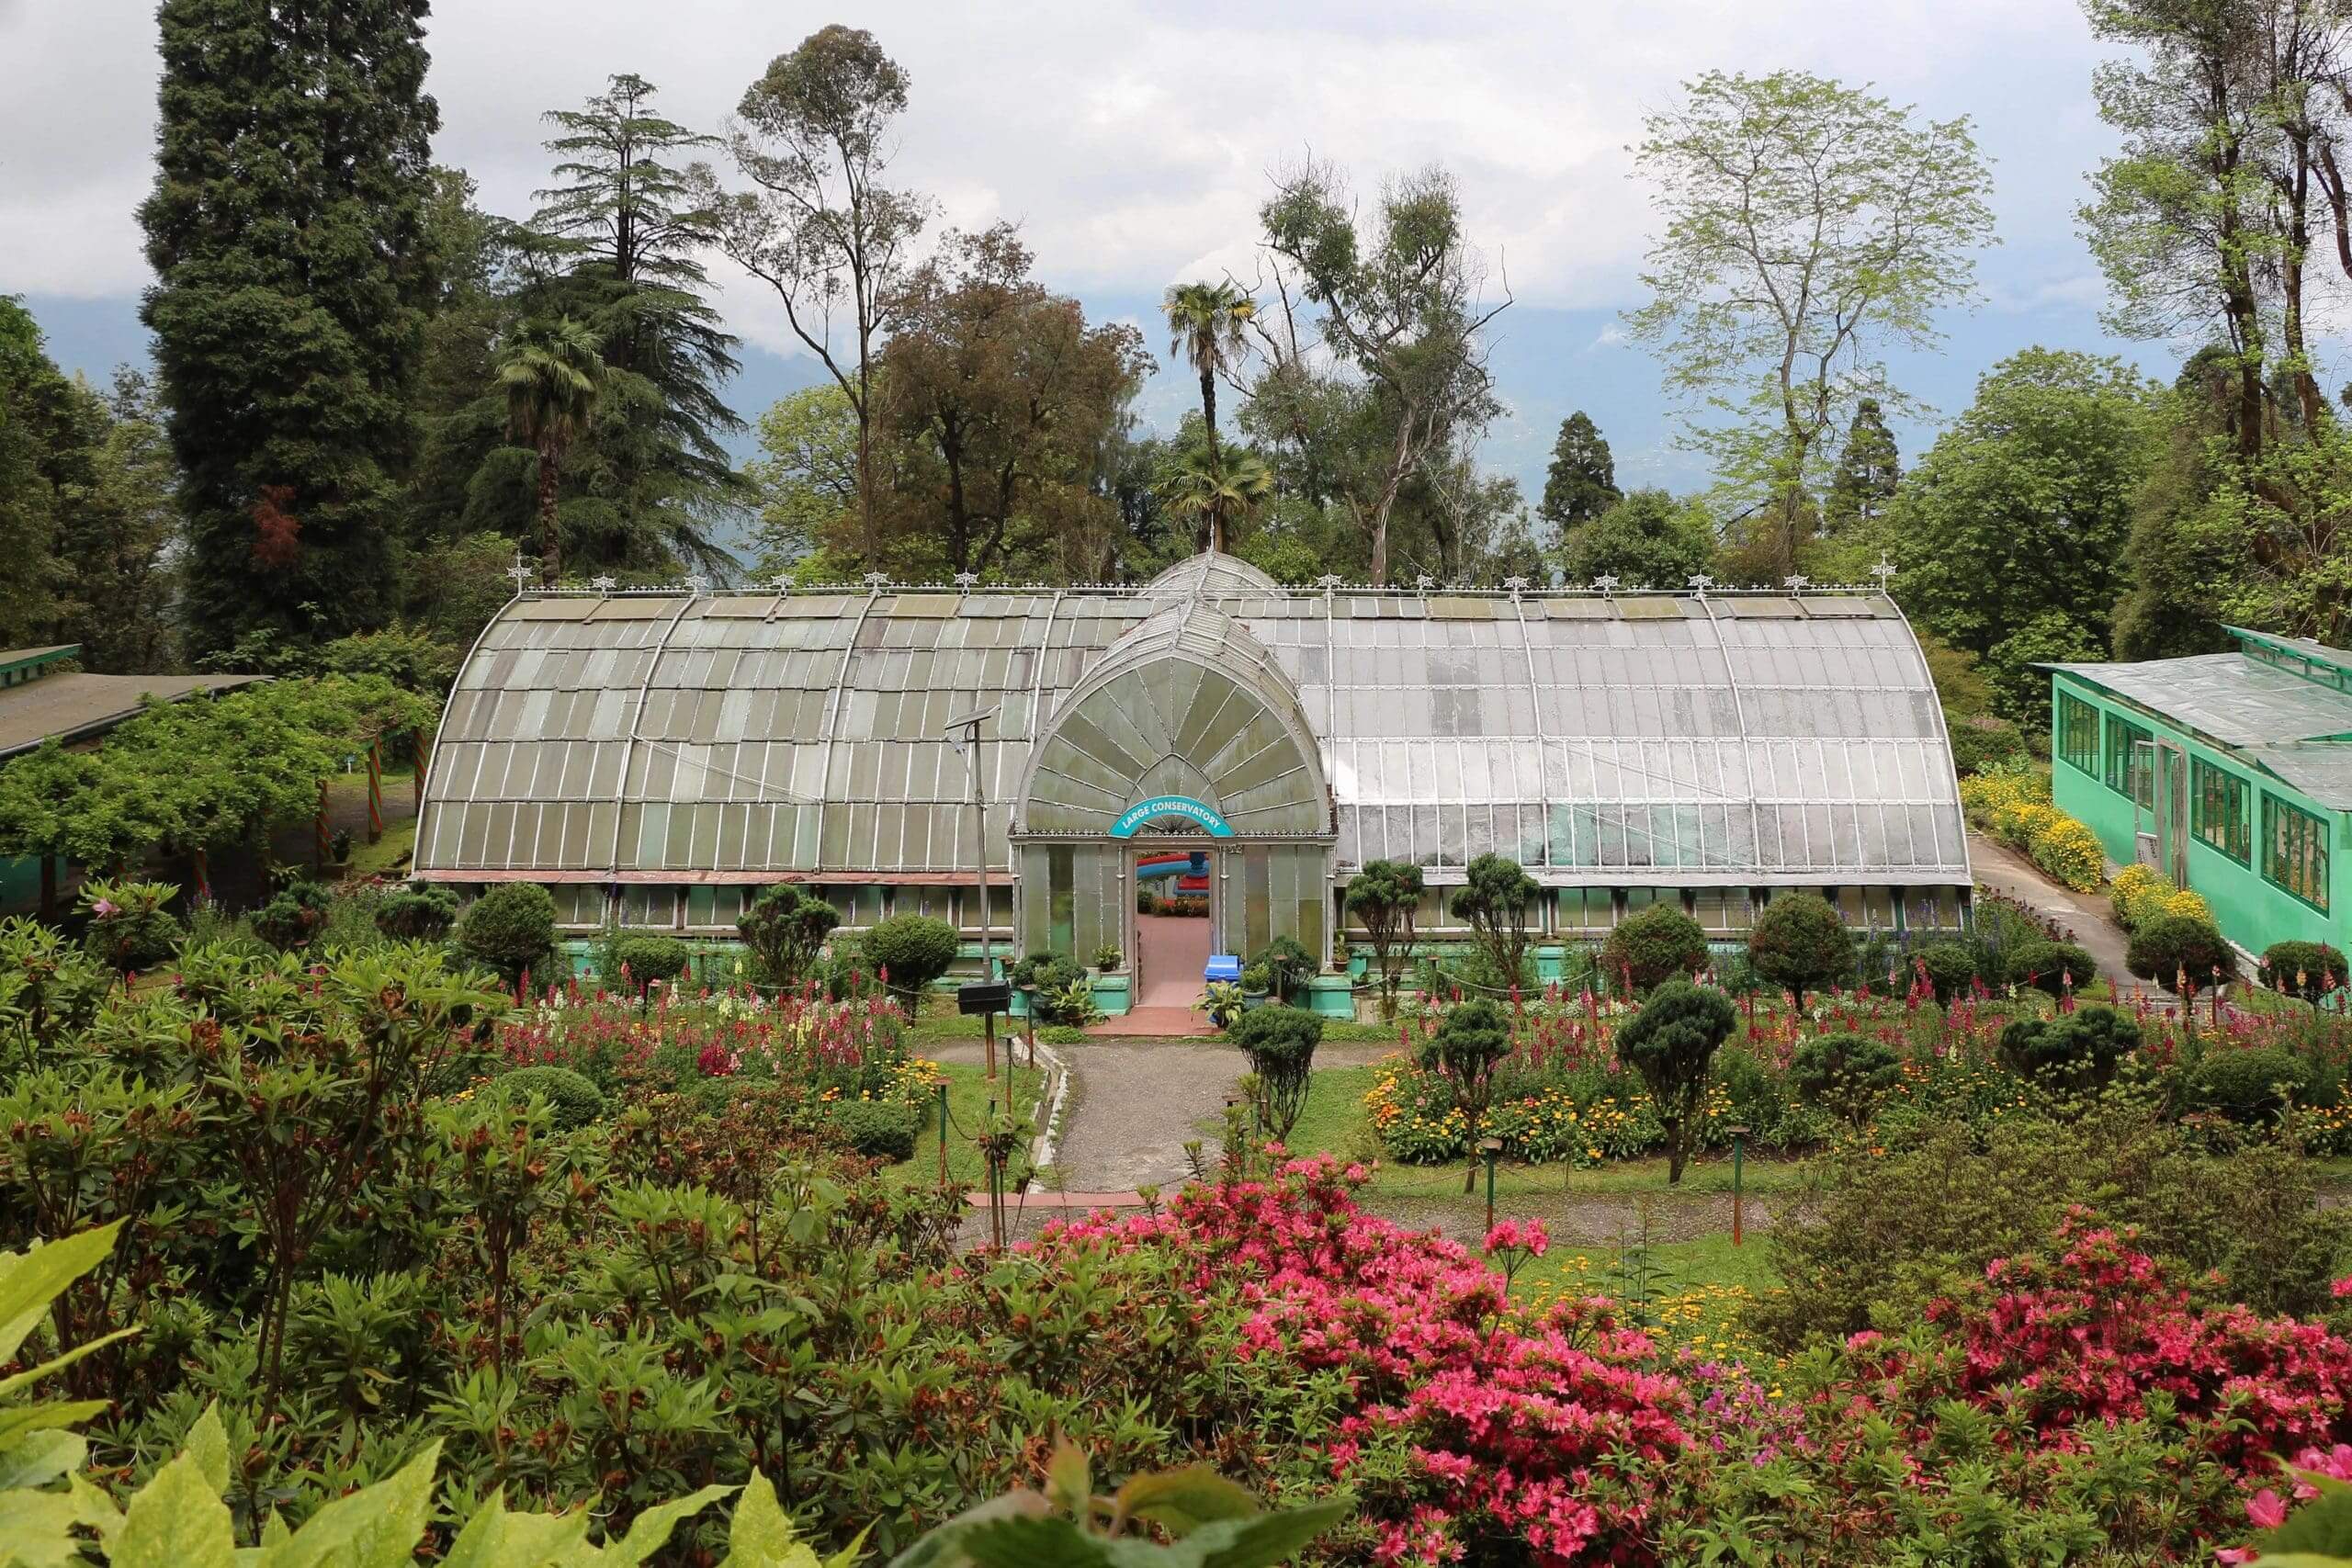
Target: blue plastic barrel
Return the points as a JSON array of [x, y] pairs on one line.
[[1222, 967]]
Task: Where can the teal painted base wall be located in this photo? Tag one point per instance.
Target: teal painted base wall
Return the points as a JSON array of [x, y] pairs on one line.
[[2251, 911]]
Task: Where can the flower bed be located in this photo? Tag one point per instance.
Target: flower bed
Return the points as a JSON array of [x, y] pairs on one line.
[[2012, 804]]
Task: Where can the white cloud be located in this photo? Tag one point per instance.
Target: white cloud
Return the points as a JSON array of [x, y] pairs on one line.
[[1613, 335]]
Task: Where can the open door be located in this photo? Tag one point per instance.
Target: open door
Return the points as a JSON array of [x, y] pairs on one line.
[[2172, 812]]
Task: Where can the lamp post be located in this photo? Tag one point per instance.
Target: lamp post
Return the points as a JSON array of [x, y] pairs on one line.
[[1492, 1149], [940, 1083], [965, 736], [1738, 1216]]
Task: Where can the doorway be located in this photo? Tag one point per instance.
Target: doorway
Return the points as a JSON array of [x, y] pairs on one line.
[[1175, 899]]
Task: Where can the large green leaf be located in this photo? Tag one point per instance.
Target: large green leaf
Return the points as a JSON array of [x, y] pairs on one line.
[[36, 1530], [30, 1280], [2321, 1527], [494, 1538], [1267, 1540], [207, 1444], [30, 1375], [1181, 1501], [41, 1458], [762, 1536], [1052, 1543], [942, 1547], [651, 1529], [176, 1522], [376, 1526]]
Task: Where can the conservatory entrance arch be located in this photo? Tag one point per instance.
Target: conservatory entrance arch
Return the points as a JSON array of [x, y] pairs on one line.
[[1185, 742]]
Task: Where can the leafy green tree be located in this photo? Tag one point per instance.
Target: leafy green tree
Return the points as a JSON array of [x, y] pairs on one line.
[[816, 136], [1809, 227], [2020, 691], [1800, 945], [1647, 539], [41, 453], [511, 929], [1497, 895], [42, 793], [1213, 490], [288, 237], [2023, 507], [1205, 327], [1401, 308], [1671, 1043], [1581, 483], [1651, 946], [1869, 470], [1845, 1075], [552, 375], [804, 479], [1385, 896], [2079, 1050], [1280, 1042], [2172, 949], [784, 928], [118, 540]]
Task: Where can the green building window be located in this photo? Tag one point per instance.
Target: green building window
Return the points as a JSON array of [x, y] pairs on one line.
[[2128, 771], [2078, 733], [2219, 797], [2294, 851]]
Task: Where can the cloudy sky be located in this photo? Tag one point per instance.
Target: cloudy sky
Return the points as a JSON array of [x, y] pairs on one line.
[[1133, 144]]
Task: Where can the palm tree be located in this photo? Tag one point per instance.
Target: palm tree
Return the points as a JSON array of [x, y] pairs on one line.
[[1204, 324], [552, 373], [1217, 486]]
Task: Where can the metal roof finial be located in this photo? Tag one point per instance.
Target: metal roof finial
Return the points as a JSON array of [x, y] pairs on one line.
[[1883, 571], [782, 582], [1424, 583], [1700, 580], [874, 581], [965, 580], [1606, 582], [1795, 582], [1517, 586], [603, 585], [698, 584], [1328, 582], [521, 574]]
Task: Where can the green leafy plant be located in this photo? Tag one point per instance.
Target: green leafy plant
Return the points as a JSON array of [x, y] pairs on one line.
[[1280, 1042], [1799, 945], [2250, 1086], [1495, 899], [2305, 969], [1286, 967], [294, 916], [1671, 1043], [877, 1129], [784, 928], [1651, 946], [1074, 1004], [1845, 1075], [419, 912], [649, 959], [1471, 1040], [1385, 896], [511, 929], [48, 990], [1224, 1001], [2078, 1051], [1950, 968], [2168, 949], [910, 952], [1211, 1522], [129, 927], [574, 1101], [1108, 957], [1256, 980], [2057, 968]]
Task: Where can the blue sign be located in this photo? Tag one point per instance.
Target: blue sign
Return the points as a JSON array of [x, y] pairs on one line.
[[1184, 806]]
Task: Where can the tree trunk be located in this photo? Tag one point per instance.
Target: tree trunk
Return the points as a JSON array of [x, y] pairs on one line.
[[1208, 423], [1676, 1153], [48, 888], [550, 532]]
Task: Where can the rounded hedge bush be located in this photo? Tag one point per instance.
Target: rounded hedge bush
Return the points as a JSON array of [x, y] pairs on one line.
[[1845, 1075], [2079, 1050], [2166, 946], [1652, 946], [2302, 969], [2249, 1087], [2051, 965], [652, 958], [1949, 967], [877, 1129], [296, 915], [1800, 944], [910, 952], [420, 912], [511, 929], [575, 1100]]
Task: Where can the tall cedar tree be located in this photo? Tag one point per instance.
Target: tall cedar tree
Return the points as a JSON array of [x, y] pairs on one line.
[[1868, 469], [1581, 484], [626, 227], [286, 231]]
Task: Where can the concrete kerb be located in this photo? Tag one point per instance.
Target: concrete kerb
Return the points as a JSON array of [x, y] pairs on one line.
[[1047, 1142]]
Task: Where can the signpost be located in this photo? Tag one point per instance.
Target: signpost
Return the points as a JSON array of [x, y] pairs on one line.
[[1199, 812], [993, 998]]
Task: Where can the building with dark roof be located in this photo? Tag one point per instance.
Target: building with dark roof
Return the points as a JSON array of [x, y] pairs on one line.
[[659, 756]]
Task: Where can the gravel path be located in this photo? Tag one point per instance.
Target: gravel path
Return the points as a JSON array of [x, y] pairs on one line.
[[1137, 1106]]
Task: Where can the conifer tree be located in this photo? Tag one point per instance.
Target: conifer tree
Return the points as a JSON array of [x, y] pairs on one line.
[[288, 233], [1582, 481], [1868, 471]]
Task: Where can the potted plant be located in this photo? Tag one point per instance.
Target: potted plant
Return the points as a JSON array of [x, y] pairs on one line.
[[1256, 982], [1224, 1002]]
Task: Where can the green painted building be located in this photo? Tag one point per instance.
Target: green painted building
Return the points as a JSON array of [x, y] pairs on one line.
[[2229, 773]]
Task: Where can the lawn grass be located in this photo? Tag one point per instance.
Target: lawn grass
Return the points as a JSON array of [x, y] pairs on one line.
[[1692, 1293], [968, 1093]]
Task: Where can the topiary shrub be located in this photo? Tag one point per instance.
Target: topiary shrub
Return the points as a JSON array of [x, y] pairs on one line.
[[1950, 968], [650, 958], [910, 952], [2079, 1050], [2305, 969], [1280, 1042], [296, 915], [419, 912], [1495, 899], [2249, 1087], [1287, 965], [2056, 967], [510, 929], [1471, 1039], [877, 1129], [1652, 946], [129, 927], [1800, 944], [2166, 947], [575, 1100], [784, 928], [1383, 896], [1845, 1075], [1671, 1043]]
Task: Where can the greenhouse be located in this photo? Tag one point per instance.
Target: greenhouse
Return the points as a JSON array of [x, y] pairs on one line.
[[655, 757]]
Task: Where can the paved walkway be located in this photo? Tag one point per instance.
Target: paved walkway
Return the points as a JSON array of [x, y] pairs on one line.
[[2083, 916]]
